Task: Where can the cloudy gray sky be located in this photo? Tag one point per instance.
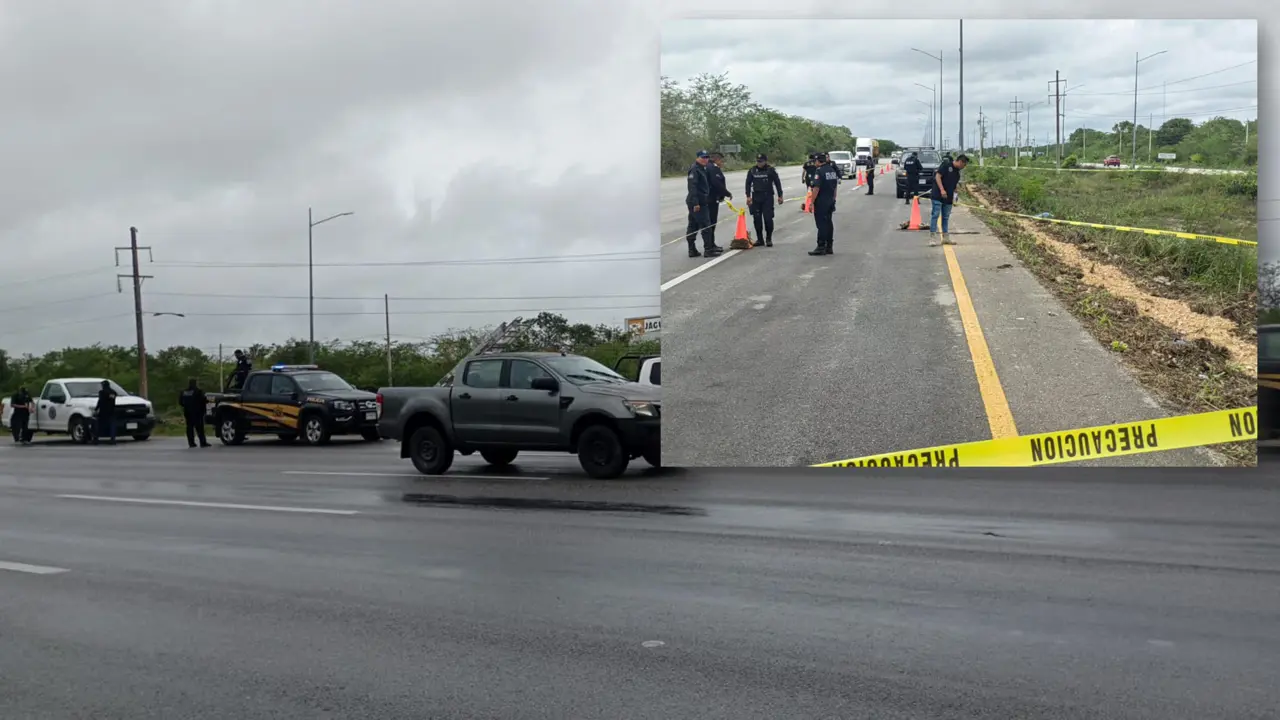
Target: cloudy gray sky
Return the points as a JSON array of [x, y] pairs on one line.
[[454, 131], [868, 78], [451, 134]]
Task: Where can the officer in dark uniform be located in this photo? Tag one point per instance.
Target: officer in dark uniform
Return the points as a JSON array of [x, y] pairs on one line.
[[698, 200], [719, 190], [243, 366], [192, 401], [872, 166], [806, 173], [911, 164], [824, 183], [21, 404], [106, 413], [762, 184]]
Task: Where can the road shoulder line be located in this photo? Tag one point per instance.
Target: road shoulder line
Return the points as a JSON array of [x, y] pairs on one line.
[[999, 416]]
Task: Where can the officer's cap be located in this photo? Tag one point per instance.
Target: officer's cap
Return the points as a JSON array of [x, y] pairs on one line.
[[820, 156], [703, 154], [813, 156], [761, 157]]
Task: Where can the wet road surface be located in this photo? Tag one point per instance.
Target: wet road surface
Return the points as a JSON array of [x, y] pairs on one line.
[[152, 581]]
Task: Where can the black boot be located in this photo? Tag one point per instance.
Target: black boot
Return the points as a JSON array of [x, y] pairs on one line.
[[820, 250], [768, 242], [713, 251], [693, 252]]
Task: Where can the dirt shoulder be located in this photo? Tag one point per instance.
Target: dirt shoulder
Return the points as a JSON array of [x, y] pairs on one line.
[[1170, 309]]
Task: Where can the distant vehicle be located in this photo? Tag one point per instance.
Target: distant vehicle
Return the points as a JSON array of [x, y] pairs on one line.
[[867, 151], [503, 403], [289, 401], [1268, 381], [843, 160], [66, 407], [929, 162], [1111, 161], [648, 369]]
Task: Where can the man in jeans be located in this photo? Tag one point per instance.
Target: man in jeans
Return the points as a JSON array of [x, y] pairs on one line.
[[943, 193]]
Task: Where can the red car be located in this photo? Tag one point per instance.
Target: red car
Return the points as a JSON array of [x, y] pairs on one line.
[[1112, 161]]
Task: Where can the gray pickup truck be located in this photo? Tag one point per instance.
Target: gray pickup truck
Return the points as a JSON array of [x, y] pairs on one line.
[[500, 404]]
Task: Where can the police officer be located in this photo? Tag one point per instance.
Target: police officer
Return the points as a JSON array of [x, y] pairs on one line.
[[824, 182], [21, 404], [105, 411], [719, 190], [911, 164], [698, 200], [192, 401], [762, 184], [243, 366], [806, 173], [872, 166]]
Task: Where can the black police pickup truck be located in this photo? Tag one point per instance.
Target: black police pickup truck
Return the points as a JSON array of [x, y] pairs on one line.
[[289, 401], [500, 404]]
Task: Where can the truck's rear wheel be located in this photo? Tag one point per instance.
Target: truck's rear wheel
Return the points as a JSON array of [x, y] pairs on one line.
[[430, 451], [499, 458], [230, 431], [601, 454]]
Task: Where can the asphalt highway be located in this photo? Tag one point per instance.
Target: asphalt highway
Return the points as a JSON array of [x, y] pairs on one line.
[[778, 359], [153, 581]]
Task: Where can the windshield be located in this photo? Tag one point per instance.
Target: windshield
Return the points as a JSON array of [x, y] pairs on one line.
[[581, 370], [864, 149], [927, 157], [91, 388], [840, 155], [321, 382]]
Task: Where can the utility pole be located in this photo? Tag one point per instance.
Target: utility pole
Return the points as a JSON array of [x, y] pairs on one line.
[[962, 86], [1151, 120], [1133, 145], [982, 134], [222, 379], [136, 277], [1016, 109], [1057, 112], [386, 314]]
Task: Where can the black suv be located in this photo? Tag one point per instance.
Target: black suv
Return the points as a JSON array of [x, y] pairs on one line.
[[1268, 381], [289, 401], [929, 161]]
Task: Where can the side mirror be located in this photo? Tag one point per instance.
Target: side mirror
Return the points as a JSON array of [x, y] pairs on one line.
[[545, 383]]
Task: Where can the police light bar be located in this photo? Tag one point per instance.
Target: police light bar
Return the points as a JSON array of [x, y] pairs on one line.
[[286, 368]]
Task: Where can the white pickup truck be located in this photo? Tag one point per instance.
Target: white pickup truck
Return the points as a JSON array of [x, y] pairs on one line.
[[65, 407]]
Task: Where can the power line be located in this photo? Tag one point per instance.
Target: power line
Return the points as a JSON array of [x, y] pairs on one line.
[[1197, 77], [397, 298], [1174, 92], [60, 276], [47, 303], [472, 311], [531, 260], [1185, 115]]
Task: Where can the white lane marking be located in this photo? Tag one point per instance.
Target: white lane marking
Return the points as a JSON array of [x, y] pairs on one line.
[[31, 569], [406, 475], [701, 268], [224, 506], [652, 643]]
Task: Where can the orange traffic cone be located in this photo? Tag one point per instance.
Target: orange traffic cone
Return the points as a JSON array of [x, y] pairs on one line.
[[862, 179], [808, 203], [914, 223], [741, 238]]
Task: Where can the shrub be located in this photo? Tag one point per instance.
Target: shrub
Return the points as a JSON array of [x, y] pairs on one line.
[[1070, 161]]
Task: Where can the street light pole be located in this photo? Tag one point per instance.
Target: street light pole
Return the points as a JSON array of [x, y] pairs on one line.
[[1133, 149], [311, 280], [937, 57]]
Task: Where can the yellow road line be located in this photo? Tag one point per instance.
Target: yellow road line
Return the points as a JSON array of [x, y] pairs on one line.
[[999, 416]]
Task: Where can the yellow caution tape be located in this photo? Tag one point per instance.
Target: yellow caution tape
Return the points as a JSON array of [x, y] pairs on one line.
[[735, 208], [1104, 441], [1121, 228]]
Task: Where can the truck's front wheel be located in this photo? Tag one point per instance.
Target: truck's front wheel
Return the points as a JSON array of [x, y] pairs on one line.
[[82, 430], [601, 454], [430, 451]]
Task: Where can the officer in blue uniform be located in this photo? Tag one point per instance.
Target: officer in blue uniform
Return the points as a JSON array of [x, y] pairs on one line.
[[698, 200], [762, 184], [824, 180]]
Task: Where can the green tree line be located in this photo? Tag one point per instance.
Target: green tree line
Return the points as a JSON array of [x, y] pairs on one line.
[[1218, 143], [709, 111], [363, 364]]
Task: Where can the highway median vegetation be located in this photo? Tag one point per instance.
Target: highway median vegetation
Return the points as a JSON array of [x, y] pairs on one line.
[[1219, 143], [1180, 313], [710, 111], [363, 364]]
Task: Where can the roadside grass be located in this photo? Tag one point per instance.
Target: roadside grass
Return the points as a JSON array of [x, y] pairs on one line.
[[1186, 376], [1214, 278]]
